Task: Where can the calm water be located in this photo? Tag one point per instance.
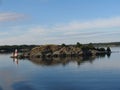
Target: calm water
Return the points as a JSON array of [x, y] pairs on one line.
[[95, 73]]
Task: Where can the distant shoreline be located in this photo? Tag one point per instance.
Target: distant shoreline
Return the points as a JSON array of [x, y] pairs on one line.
[[27, 48]]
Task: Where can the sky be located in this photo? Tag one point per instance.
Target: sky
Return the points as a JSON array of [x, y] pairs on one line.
[[59, 21]]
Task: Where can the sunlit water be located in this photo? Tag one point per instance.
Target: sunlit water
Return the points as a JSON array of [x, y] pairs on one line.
[[100, 73]]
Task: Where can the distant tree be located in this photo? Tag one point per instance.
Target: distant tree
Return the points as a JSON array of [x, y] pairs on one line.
[[101, 49], [91, 46], [63, 45], [85, 48], [78, 44], [108, 49]]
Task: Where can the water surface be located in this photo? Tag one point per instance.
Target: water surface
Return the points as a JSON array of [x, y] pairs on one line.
[[94, 73]]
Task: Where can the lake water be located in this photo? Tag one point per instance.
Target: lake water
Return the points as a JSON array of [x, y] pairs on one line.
[[95, 73]]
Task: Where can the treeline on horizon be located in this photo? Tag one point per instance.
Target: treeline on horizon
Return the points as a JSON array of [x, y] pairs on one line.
[[20, 48], [26, 48], [107, 44]]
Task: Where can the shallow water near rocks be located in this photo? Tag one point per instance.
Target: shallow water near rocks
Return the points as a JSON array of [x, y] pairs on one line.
[[95, 73]]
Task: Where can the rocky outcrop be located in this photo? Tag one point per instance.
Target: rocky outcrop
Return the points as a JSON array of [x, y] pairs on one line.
[[55, 51], [63, 51]]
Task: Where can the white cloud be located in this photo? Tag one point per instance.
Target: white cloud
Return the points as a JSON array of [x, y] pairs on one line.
[[3, 33], [98, 23], [90, 31], [11, 16]]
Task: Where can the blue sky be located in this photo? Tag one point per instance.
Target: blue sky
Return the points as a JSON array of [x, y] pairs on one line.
[[59, 21]]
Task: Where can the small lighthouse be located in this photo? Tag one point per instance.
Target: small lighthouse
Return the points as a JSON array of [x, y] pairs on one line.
[[16, 53]]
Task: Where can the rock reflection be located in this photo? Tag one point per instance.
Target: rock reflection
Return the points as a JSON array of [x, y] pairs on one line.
[[108, 55], [64, 61]]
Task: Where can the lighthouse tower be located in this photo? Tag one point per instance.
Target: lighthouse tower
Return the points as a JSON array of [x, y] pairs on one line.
[[16, 53]]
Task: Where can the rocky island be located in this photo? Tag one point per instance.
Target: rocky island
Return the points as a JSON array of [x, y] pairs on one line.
[[78, 50]]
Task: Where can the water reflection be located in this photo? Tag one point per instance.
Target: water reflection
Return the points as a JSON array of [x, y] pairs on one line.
[[108, 55], [15, 60], [64, 61]]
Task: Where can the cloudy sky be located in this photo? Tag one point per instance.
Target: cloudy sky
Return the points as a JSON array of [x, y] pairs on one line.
[[59, 21]]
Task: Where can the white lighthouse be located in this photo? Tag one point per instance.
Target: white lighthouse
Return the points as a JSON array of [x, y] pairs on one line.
[[16, 53]]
